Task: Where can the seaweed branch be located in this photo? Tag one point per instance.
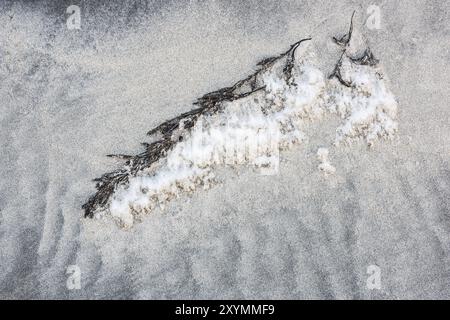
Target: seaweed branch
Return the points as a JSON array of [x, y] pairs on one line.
[[208, 104], [367, 58], [345, 39]]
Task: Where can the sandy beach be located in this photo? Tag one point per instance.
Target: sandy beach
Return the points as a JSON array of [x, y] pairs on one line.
[[70, 97]]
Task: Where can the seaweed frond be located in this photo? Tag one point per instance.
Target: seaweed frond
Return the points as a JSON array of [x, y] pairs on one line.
[[367, 58], [208, 104]]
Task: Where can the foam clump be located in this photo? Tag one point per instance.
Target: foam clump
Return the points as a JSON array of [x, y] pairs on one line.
[[325, 165], [358, 93], [368, 108], [249, 131], [249, 124]]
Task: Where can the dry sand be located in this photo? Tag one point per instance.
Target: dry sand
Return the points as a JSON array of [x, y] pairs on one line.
[[69, 97]]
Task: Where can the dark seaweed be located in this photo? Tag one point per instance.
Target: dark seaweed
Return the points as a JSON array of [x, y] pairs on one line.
[[210, 103], [367, 57]]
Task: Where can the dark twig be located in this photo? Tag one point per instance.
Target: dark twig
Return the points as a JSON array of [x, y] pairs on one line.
[[343, 42], [345, 39], [337, 73], [366, 59]]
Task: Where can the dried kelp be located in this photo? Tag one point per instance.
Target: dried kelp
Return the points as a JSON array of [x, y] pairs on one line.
[[210, 103], [367, 58], [345, 39]]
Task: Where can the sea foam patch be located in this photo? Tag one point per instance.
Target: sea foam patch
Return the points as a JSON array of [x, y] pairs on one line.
[[249, 124]]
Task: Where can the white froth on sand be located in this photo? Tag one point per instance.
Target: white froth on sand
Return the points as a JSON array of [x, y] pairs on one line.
[[252, 130]]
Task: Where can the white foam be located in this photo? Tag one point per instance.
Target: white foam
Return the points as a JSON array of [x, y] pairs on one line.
[[368, 108], [325, 165], [252, 131]]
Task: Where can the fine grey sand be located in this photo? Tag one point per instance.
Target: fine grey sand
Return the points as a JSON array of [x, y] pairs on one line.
[[70, 97]]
